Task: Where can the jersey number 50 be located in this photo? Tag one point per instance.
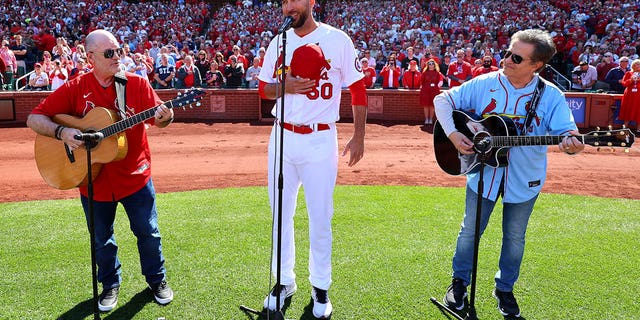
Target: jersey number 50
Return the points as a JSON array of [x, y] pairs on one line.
[[324, 91]]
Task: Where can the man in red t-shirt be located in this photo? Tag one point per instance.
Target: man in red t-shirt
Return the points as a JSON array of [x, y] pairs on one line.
[[369, 73], [126, 181], [459, 71], [486, 67]]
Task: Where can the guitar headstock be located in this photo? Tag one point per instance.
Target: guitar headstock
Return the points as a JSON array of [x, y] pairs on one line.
[[610, 138], [187, 98]]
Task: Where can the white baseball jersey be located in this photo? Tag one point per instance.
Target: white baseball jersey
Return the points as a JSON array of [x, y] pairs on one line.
[[310, 160], [321, 105]]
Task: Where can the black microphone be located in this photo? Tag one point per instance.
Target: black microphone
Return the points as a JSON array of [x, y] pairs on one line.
[[286, 24], [89, 136]]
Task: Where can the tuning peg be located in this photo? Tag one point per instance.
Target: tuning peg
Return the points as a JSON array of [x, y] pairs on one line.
[[609, 144], [623, 144], [610, 127], [624, 126], [198, 104], [179, 93], [598, 128]]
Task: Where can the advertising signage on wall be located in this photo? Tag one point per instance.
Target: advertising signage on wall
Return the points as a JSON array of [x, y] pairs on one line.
[[578, 106]]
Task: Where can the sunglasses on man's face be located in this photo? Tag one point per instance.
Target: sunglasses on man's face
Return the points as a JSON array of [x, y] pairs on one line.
[[517, 59], [108, 54]]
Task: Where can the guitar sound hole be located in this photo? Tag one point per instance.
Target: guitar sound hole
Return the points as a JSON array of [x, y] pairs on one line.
[[482, 142]]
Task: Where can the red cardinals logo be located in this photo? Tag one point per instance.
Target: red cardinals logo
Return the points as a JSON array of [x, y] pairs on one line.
[[277, 71], [490, 107], [88, 106]]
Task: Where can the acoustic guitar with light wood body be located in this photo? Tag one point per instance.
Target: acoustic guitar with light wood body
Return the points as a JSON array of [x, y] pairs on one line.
[[64, 169]]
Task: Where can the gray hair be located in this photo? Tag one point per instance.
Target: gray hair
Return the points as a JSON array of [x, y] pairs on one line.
[[544, 47]]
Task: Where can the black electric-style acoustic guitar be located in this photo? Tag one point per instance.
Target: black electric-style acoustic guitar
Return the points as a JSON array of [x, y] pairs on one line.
[[64, 169], [494, 135]]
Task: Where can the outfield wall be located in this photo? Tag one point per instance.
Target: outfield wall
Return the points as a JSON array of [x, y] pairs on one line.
[[397, 105]]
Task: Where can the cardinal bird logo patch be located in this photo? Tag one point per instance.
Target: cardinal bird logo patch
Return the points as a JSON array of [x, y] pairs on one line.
[[490, 107]]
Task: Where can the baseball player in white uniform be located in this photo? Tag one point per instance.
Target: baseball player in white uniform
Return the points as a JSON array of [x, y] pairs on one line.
[[319, 60]]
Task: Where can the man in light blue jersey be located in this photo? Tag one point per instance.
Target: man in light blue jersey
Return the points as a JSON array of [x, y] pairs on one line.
[[506, 93]]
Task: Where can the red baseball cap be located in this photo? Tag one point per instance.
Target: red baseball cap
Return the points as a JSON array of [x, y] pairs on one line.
[[308, 61]]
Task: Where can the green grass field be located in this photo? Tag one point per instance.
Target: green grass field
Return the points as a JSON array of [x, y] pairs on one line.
[[392, 252]]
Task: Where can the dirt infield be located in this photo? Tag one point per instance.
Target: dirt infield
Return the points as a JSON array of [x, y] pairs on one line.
[[192, 156]]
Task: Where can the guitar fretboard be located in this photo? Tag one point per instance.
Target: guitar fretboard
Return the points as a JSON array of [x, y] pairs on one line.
[[129, 122], [515, 141], [183, 100]]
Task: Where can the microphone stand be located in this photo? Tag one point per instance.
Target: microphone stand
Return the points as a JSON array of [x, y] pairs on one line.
[[483, 147], [278, 315], [91, 142]]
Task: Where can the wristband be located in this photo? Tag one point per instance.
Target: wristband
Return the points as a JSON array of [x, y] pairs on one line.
[[58, 132]]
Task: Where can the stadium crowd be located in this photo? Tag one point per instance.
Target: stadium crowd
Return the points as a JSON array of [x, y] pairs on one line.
[[192, 43]]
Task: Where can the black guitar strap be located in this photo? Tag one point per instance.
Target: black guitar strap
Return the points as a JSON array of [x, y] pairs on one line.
[[533, 105], [121, 93]]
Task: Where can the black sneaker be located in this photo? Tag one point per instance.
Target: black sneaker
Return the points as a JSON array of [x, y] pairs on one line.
[[507, 304], [456, 293], [108, 299], [161, 292]]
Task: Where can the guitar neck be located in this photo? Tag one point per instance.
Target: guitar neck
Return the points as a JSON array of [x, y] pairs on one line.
[[129, 122], [515, 141]]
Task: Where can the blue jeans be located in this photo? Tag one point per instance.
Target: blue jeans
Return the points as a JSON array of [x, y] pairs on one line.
[[515, 218], [143, 221]]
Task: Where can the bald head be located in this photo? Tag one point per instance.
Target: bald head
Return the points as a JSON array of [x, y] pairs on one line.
[[98, 38], [103, 52]]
